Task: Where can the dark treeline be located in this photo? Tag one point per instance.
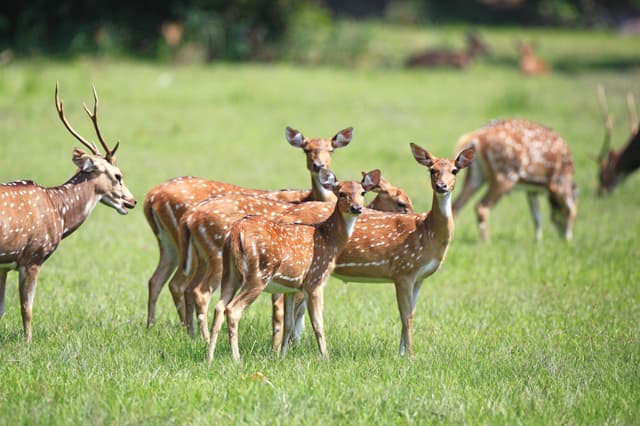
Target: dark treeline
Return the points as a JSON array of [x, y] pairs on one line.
[[240, 29]]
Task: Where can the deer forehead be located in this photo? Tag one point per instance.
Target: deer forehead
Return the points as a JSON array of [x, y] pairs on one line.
[[319, 145], [351, 188]]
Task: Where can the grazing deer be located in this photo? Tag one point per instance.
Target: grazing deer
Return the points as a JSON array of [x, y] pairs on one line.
[[263, 255], [204, 227], [446, 58], [615, 165], [165, 204], [401, 248], [530, 64], [34, 219], [514, 153]]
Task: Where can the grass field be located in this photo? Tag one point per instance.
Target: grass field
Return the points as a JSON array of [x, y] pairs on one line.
[[513, 332]]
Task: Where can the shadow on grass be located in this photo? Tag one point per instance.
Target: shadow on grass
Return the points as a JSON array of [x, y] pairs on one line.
[[576, 66]]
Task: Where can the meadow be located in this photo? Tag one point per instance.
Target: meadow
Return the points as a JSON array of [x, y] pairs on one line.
[[510, 332]]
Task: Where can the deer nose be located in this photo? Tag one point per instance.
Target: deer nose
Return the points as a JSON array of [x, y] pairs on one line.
[[441, 187], [356, 209], [317, 166]]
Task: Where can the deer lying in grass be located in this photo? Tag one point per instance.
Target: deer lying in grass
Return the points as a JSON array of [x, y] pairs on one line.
[[432, 58], [165, 204], [529, 63], [401, 248], [263, 255], [615, 165], [204, 227], [514, 153], [34, 219]]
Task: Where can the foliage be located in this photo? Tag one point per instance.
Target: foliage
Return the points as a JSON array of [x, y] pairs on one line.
[[512, 332]]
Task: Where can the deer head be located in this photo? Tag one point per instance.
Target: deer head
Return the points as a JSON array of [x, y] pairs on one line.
[[318, 150], [102, 169]]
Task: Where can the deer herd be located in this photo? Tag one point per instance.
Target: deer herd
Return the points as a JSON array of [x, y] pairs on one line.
[[213, 235]]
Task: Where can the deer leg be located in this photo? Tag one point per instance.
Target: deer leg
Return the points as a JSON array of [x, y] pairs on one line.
[[534, 206], [166, 265], [229, 285], [404, 296], [193, 284], [315, 304], [289, 321], [3, 287], [247, 295], [300, 308], [202, 296], [28, 280], [177, 286], [490, 198], [277, 321], [473, 180]]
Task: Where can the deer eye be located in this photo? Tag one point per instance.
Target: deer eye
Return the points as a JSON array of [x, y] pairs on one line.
[[432, 171], [363, 192], [454, 171], [402, 204], [118, 178], [342, 194]]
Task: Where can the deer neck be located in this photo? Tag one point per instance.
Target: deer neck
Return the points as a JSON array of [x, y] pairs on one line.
[[318, 192], [338, 228], [439, 220], [74, 201]]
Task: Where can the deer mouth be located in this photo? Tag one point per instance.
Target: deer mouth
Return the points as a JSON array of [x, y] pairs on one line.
[[121, 206]]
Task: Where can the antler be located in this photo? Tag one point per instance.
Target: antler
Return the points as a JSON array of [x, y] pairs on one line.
[[608, 122], [633, 114], [60, 110], [94, 119]]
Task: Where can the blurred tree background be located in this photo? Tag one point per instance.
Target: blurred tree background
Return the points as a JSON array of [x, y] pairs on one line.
[[207, 30]]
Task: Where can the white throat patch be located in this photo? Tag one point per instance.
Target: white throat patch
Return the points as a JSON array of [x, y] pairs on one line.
[[444, 201]]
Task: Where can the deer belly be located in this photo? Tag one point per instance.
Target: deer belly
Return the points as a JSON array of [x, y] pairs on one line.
[[363, 272], [275, 287]]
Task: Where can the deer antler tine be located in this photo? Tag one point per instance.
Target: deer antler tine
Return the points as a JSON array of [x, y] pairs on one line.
[[94, 119], [608, 123], [60, 109], [633, 114]]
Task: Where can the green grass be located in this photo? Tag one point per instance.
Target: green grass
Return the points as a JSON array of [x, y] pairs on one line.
[[507, 333]]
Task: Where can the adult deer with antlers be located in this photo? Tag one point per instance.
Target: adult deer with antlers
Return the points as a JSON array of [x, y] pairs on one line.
[[34, 219], [401, 248], [614, 165], [263, 255], [165, 204], [204, 227], [520, 153]]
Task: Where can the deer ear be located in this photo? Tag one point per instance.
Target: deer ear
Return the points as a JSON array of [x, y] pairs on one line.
[[371, 180], [421, 155], [294, 137], [342, 138], [83, 160], [327, 179], [465, 158]]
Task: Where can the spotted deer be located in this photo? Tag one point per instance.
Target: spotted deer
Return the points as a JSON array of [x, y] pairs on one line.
[[520, 153], [165, 204], [204, 227], [614, 165], [529, 63], [263, 255], [390, 198], [34, 219], [403, 249], [431, 58]]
